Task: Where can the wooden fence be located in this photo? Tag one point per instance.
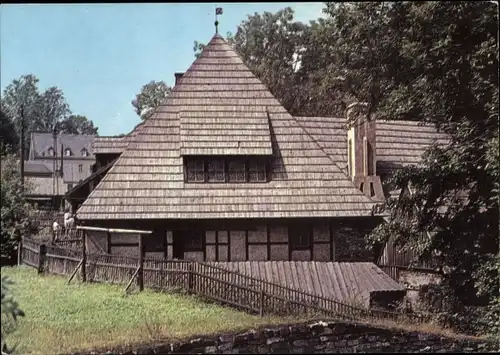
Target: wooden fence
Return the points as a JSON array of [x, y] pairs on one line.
[[211, 282], [393, 259]]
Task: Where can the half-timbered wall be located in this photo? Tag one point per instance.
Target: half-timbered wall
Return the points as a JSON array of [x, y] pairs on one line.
[[320, 240]]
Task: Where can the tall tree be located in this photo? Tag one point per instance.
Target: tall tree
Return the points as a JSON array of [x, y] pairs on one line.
[[52, 109], [150, 97], [19, 102], [77, 124], [8, 134], [23, 102], [435, 62]]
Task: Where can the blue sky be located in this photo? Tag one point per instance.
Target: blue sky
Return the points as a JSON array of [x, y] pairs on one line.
[[101, 55]]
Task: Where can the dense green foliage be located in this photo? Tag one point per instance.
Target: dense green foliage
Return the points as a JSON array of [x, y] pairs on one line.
[[8, 136], [434, 62], [15, 211], [150, 97], [440, 65], [10, 314]]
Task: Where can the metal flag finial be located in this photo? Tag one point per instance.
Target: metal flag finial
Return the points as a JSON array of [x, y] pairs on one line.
[[218, 11]]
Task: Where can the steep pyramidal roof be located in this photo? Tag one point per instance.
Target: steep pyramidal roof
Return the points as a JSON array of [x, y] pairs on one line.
[[216, 103], [224, 106]]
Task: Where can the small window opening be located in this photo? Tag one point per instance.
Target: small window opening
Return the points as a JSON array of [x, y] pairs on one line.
[[194, 241], [300, 237]]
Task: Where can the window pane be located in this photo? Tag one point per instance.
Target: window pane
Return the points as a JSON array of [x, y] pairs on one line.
[[236, 170], [216, 170], [300, 237], [195, 172], [194, 241], [256, 171]]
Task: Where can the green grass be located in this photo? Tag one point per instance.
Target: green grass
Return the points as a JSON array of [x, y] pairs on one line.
[[62, 318]]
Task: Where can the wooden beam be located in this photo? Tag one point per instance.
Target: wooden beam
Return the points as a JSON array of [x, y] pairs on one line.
[[83, 268], [140, 278], [111, 230], [74, 271], [132, 279]]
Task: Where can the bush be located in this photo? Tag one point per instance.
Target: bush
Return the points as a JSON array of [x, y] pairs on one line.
[[10, 314], [15, 211]]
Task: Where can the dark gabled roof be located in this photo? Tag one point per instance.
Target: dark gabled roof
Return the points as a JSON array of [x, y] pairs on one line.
[[44, 186], [32, 167], [147, 181], [41, 142], [100, 171]]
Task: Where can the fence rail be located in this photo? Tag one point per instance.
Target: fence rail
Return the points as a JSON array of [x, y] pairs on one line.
[[209, 281]]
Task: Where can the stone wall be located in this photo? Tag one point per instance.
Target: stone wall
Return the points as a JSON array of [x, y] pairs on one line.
[[318, 337]]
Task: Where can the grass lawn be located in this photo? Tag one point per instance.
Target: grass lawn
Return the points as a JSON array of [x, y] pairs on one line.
[[65, 318]]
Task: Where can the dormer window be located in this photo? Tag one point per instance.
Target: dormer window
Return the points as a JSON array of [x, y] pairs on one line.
[[67, 152], [215, 170], [50, 152], [232, 169], [256, 171], [85, 152], [236, 170], [195, 170]]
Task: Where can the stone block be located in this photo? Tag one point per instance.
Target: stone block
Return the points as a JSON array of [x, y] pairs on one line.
[[243, 338], [300, 343], [262, 349], [210, 350], [274, 340], [340, 343], [353, 342]]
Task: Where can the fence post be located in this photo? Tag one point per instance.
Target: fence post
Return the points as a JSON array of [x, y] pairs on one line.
[[84, 257], [190, 277], [108, 242], [140, 275], [261, 311], [42, 250], [20, 251]]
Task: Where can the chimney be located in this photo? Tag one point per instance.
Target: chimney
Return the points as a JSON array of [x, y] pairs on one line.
[[178, 77], [362, 157]]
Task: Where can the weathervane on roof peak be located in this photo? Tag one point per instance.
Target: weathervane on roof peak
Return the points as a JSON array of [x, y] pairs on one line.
[[218, 11]]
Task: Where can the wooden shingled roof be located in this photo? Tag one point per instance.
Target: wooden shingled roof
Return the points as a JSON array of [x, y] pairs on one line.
[[112, 144], [109, 145], [398, 143], [342, 281], [147, 181], [225, 106]]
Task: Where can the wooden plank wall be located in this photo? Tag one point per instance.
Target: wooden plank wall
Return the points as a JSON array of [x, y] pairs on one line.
[[251, 240]]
